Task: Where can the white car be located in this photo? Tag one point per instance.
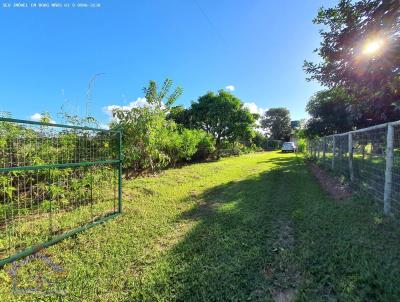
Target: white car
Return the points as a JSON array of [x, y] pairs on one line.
[[289, 147]]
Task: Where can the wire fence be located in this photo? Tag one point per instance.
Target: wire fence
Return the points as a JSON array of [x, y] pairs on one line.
[[55, 180], [369, 159]]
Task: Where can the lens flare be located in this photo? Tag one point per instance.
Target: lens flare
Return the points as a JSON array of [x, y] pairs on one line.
[[373, 47]]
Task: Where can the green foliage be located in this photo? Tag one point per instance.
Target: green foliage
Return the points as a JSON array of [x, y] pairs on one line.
[[261, 142], [272, 144], [301, 145], [35, 204], [223, 116], [161, 99], [276, 122], [248, 228], [371, 80], [145, 132], [259, 139], [181, 116], [205, 147], [75, 119], [186, 144], [161, 134], [330, 112], [152, 139]]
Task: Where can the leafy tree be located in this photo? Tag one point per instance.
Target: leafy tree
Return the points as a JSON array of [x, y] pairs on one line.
[[180, 115], [223, 116], [151, 140], [330, 112], [160, 100], [276, 122], [146, 130], [259, 139], [371, 78]]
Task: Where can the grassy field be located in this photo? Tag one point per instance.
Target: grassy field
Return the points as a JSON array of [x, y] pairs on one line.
[[250, 228]]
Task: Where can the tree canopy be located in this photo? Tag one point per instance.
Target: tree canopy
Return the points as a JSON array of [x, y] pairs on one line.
[[276, 122], [360, 53], [180, 115], [223, 116], [330, 113]]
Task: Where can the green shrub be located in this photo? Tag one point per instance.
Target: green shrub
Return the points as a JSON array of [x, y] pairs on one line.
[[205, 146], [182, 145], [301, 145], [190, 142], [259, 140]]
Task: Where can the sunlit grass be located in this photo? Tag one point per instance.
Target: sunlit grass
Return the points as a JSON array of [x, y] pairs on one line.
[[244, 229]]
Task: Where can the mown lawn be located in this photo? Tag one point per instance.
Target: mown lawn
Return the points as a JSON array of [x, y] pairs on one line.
[[250, 228]]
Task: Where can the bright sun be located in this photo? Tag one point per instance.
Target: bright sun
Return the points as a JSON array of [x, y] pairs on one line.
[[372, 47]]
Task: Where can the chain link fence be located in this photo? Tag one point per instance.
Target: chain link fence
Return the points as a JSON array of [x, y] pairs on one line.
[[369, 159]]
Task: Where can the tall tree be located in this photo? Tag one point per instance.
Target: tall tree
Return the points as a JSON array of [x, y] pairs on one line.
[[276, 122], [223, 116], [360, 52], [330, 113]]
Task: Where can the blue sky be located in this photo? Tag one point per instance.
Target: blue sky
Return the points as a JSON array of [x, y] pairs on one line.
[[49, 55]]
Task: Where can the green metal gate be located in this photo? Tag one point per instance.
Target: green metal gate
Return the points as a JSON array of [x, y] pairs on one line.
[[55, 181]]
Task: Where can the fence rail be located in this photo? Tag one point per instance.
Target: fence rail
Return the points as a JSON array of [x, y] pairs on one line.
[[368, 158], [55, 181]]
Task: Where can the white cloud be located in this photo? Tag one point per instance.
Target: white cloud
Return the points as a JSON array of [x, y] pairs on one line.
[[253, 108], [230, 88], [140, 102], [104, 126], [37, 117]]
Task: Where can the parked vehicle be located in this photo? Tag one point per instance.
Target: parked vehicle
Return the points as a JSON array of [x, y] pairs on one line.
[[289, 147]]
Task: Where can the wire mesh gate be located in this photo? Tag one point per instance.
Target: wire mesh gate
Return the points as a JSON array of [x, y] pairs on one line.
[[55, 181]]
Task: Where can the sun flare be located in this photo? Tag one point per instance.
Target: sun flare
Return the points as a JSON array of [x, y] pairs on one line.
[[373, 47]]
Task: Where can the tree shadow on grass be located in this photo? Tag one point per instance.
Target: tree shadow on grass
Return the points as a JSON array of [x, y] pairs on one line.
[[224, 257], [277, 236]]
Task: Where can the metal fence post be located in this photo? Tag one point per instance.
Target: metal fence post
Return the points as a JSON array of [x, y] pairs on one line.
[[350, 143], [389, 168], [120, 173], [333, 152]]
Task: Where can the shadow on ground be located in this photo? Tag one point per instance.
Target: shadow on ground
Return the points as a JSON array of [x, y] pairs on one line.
[[277, 237]]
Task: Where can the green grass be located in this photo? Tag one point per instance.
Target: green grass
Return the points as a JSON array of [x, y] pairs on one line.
[[250, 228]]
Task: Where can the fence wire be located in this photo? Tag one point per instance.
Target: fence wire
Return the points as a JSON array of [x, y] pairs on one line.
[[53, 180], [369, 159]]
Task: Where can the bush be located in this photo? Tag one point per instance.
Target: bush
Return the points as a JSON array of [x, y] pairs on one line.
[[259, 140], [301, 145], [146, 132], [187, 145], [152, 141], [235, 149], [205, 147]]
